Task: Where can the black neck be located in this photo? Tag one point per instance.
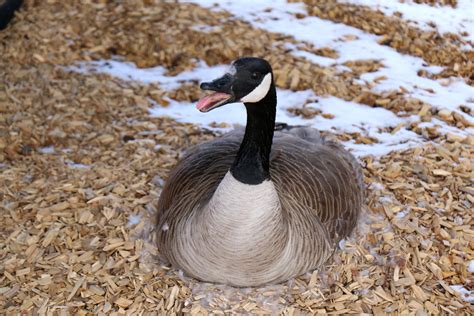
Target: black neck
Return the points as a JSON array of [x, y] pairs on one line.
[[252, 163]]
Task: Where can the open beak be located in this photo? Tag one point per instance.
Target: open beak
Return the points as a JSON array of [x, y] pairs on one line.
[[222, 88]]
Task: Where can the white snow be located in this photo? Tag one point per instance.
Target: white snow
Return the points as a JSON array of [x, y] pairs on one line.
[[377, 186], [401, 70], [134, 219], [74, 165], [444, 128], [315, 59], [402, 214], [47, 150], [187, 112], [465, 294], [347, 116], [471, 266], [445, 18], [455, 93], [350, 114], [129, 71], [350, 43]]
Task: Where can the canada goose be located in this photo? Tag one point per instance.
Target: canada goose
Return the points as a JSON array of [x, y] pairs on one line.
[[259, 206], [7, 11]]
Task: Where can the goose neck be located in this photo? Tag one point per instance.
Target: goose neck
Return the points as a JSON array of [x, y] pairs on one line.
[[252, 163]]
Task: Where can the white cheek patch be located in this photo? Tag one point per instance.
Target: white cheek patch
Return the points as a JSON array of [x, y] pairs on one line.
[[232, 70], [260, 91]]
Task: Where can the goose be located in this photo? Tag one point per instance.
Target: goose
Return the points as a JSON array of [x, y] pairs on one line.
[[257, 206]]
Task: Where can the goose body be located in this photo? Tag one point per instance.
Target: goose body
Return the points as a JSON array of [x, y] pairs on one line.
[[257, 206]]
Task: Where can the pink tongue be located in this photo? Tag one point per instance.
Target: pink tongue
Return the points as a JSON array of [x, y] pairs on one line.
[[209, 100]]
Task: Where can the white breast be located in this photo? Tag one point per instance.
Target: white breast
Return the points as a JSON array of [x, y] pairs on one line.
[[242, 209], [238, 235], [241, 237]]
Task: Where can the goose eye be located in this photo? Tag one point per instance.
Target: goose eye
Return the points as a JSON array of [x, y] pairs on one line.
[[255, 75]]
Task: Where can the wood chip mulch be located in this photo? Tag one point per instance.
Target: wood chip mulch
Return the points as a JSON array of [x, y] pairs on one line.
[[82, 164], [452, 3], [444, 50]]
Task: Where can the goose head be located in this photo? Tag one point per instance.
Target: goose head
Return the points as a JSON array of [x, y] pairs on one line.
[[248, 80]]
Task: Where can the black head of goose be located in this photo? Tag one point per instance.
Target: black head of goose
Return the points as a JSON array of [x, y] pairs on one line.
[[250, 80], [256, 206]]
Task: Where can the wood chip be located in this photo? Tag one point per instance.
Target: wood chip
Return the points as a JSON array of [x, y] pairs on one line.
[[82, 163]]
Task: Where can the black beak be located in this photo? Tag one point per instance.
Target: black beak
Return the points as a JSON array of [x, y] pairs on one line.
[[223, 93], [222, 84]]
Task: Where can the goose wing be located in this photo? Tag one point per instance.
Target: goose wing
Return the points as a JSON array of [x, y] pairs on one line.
[[312, 175], [318, 176], [196, 176]]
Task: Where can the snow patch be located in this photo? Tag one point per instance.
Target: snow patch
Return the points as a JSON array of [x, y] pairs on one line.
[[402, 214], [348, 117], [351, 44], [134, 219], [401, 70], [46, 150], [130, 72], [446, 19], [377, 186], [74, 165], [315, 59], [465, 294]]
